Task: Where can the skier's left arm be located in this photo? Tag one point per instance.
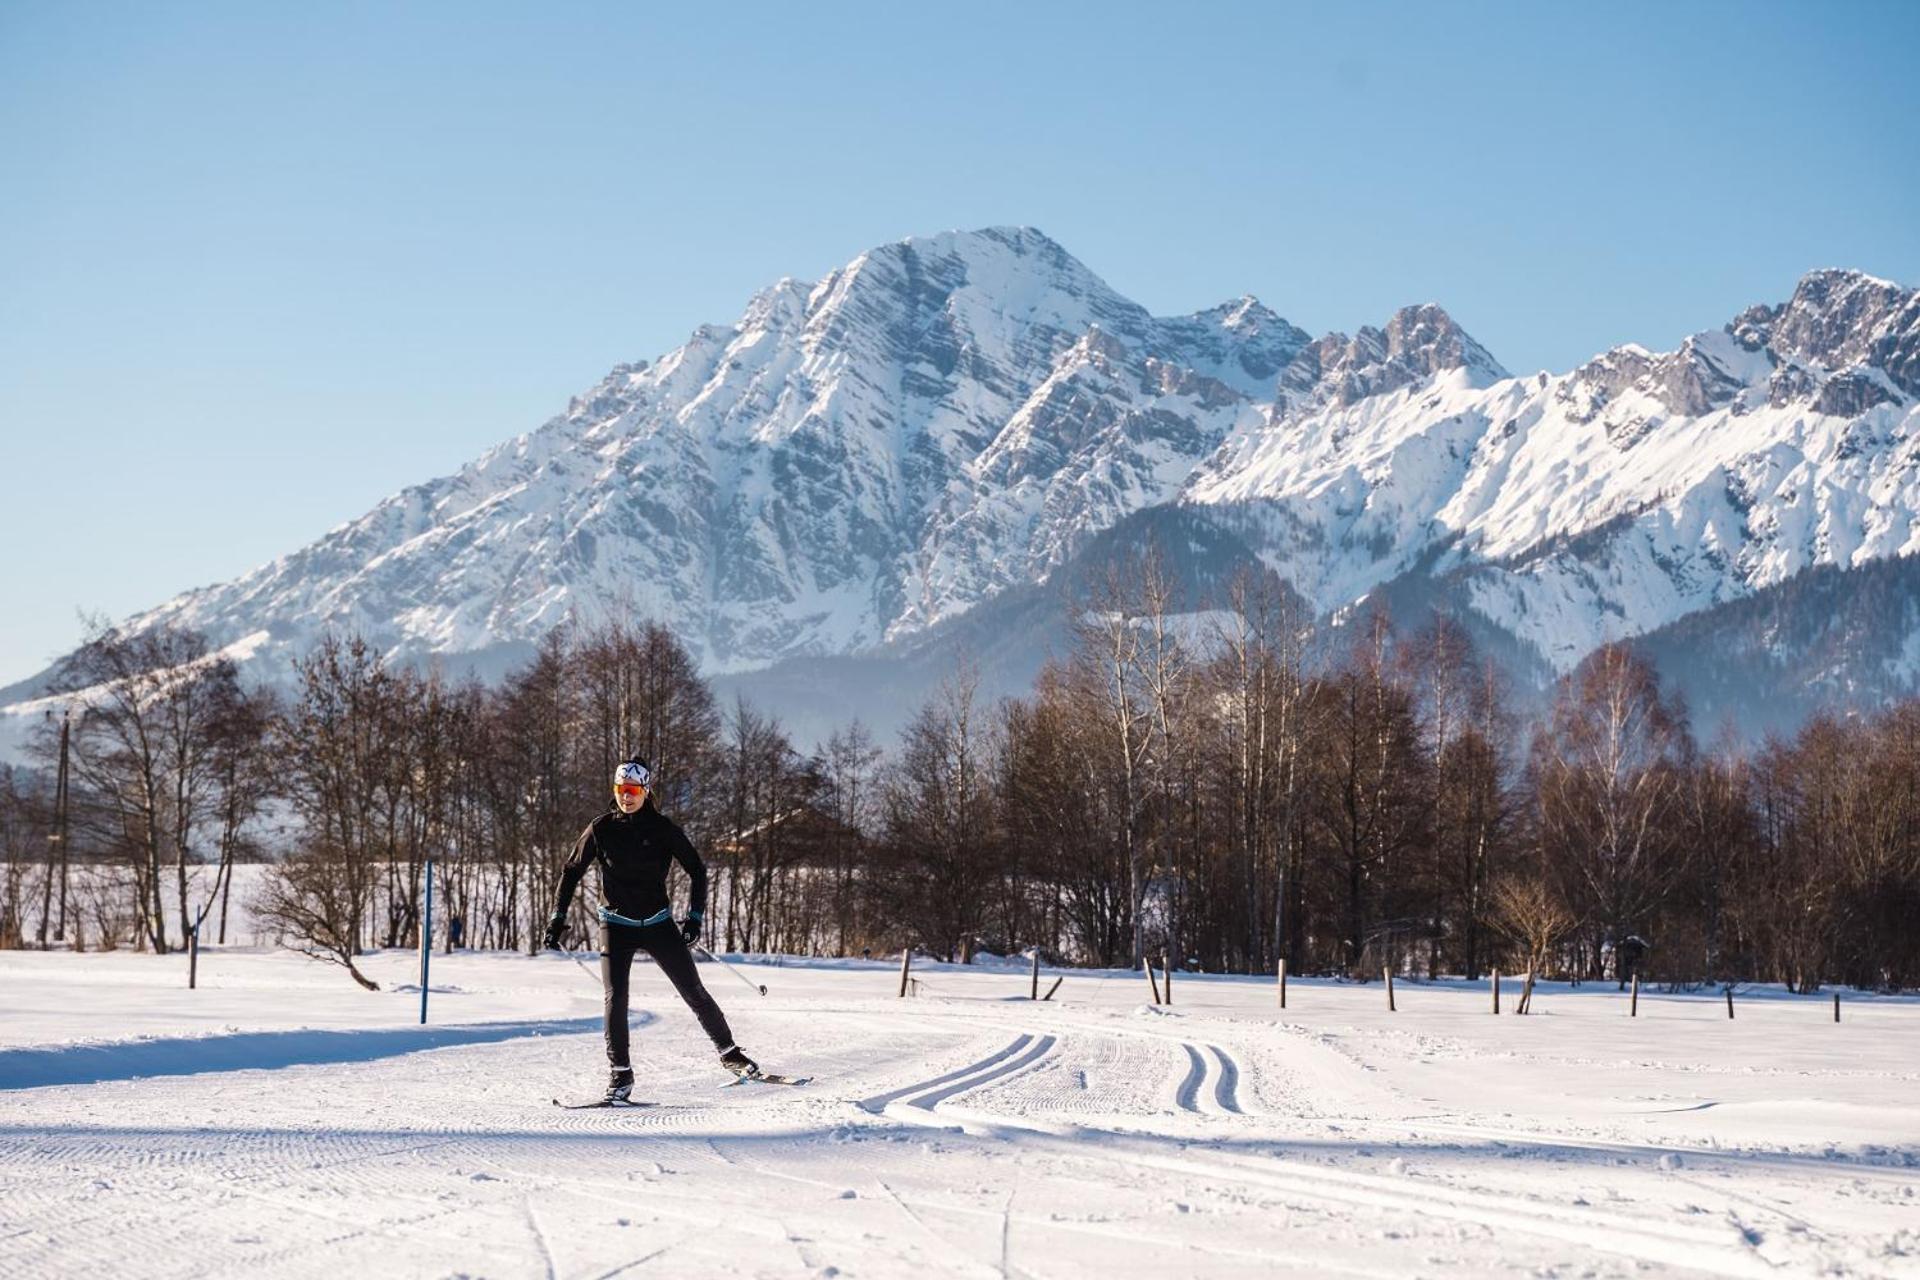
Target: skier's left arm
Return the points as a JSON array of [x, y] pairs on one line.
[[689, 858]]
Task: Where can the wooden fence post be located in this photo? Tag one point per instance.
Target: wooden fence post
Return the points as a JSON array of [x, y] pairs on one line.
[[1055, 987], [906, 962], [1146, 967], [1729, 1002], [1836, 1006], [1633, 1002], [1283, 984], [1166, 976], [1035, 993], [1388, 971], [1496, 991]]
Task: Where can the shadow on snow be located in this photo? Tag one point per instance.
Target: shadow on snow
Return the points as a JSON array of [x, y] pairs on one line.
[[256, 1050]]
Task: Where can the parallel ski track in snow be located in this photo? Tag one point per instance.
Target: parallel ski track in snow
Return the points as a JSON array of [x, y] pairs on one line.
[[1709, 1248], [1720, 1247], [1206, 1080]]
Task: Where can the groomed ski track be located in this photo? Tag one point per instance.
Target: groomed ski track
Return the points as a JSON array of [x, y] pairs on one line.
[[969, 1133]]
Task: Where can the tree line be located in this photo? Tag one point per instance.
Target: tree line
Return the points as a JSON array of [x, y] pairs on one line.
[[1228, 789]]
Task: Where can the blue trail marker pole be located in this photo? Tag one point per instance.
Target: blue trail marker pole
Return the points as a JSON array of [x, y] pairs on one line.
[[426, 941]]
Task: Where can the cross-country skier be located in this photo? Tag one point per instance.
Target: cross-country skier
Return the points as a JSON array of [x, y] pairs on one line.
[[632, 843]]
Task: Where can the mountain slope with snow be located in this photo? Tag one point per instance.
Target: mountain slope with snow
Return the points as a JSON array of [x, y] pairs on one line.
[[792, 484], [1602, 503], [860, 462]]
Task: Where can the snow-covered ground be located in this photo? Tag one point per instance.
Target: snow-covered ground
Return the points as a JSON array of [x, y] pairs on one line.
[[280, 1122]]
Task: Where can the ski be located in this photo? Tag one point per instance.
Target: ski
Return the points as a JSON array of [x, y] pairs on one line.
[[768, 1078], [629, 1104]]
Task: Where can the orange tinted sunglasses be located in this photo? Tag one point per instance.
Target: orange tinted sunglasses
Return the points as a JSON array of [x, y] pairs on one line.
[[629, 789]]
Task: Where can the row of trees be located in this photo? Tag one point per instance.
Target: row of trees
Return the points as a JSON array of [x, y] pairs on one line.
[[1229, 795], [362, 771], [160, 785]]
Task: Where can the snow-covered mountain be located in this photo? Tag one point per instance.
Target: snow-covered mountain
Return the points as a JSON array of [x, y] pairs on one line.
[[861, 463], [850, 460], [1605, 502]]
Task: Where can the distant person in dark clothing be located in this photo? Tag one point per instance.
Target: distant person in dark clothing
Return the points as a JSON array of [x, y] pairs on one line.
[[1627, 957]]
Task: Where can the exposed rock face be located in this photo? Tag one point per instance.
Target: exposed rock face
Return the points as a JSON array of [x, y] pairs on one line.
[[1843, 319], [1242, 344], [943, 419], [1417, 343]]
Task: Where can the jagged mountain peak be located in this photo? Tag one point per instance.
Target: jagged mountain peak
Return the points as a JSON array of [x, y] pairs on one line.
[[1013, 264], [1707, 371], [1417, 343], [1244, 314], [1842, 343], [1241, 343], [1017, 239], [963, 303], [1244, 309], [1426, 334], [1839, 318], [1830, 289]]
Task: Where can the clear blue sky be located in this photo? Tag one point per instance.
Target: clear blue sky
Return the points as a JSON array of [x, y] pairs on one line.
[[263, 264]]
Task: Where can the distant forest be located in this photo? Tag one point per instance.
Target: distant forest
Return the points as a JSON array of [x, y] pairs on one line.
[[1228, 800]]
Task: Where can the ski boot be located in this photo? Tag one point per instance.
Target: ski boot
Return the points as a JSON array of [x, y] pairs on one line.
[[619, 1086], [739, 1063]]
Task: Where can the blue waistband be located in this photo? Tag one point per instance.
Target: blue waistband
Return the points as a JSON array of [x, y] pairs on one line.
[[610, 916]]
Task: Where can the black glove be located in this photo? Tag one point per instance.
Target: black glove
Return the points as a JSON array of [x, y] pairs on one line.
[[690, 928], [556, 929]]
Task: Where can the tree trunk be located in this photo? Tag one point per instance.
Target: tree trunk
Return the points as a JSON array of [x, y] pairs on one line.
[[358, 976]]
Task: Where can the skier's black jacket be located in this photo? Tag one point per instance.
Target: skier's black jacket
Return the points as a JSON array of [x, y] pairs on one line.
[[632, 850]]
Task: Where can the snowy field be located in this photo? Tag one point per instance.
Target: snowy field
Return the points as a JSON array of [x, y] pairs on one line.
[[280, 1122]]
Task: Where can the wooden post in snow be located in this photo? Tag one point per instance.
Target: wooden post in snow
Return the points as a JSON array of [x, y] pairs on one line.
[[1283, 982], [1146, 967], [1496, 992], [1836, 1006], [1388, 971], [1633, 1002], [906, 965], [1166, 976], [1034, 994], [1055, 987], [1729, 1002]]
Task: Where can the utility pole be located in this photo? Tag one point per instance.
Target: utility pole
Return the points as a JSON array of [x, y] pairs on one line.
[[60, 807]]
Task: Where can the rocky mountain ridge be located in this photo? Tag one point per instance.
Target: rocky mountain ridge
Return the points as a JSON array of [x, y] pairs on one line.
[[862, 460]]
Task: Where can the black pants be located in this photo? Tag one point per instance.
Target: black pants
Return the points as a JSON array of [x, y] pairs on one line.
[[618, 943]]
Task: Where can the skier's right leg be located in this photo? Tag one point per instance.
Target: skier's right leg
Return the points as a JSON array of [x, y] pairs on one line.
[[616, 968]]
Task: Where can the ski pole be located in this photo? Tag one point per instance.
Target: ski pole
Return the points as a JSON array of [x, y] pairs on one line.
[[729, 968], [574, 955]]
